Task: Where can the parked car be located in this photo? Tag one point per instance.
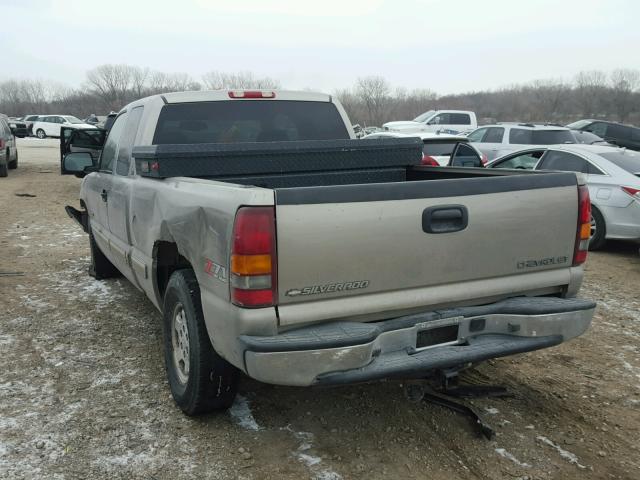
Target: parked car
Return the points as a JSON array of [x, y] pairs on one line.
[[502, 138], [622, 135], [338, 290], [612, 177], [8, 150], [49, 125], [28, 120], [443, 121], [438, 149]]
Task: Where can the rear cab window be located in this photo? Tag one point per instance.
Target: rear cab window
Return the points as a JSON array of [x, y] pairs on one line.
[[238, 121]]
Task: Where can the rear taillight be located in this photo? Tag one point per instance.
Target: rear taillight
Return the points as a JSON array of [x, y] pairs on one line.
[[429, 161], [583, 233], [634, 192], [251, 94], [253, 258]]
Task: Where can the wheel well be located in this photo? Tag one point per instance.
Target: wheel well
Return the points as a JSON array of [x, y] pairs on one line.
[[166, 260]]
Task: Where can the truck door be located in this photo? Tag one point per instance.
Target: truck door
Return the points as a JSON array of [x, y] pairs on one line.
[[99, 187], [120, 200]]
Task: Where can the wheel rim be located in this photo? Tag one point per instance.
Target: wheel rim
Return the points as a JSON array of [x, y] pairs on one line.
[[180, 343], [40, 134], [594, 226]]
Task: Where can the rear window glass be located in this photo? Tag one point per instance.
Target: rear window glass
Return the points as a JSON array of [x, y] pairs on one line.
[[521, 136], [238, 121], [629, 161], [438, 149]]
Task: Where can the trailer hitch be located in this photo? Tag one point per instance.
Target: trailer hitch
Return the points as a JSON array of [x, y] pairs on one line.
[[421, 390]]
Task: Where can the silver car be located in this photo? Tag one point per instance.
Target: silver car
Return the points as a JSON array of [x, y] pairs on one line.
[[613, 178]]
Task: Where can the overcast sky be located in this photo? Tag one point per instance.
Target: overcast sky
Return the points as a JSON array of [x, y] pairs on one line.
[[448, 46]]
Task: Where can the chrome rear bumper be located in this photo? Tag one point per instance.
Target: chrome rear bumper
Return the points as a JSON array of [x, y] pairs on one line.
[[411, 346]]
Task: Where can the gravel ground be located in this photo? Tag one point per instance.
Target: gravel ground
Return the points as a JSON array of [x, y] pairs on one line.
[[83, 391]]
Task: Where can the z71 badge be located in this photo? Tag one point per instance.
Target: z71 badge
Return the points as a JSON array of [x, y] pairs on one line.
[[328, 288], [215, 270]]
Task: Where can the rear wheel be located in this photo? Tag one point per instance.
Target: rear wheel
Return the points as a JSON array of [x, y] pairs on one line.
[[3, 169], [200, 380], [598, 230], [40, 133], [13, 165]]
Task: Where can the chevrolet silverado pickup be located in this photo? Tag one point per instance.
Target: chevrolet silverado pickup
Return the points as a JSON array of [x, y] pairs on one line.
[[276, 244]]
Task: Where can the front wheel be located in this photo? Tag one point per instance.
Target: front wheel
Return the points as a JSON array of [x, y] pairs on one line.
[[40, 133], [598, 230], [201, 381]]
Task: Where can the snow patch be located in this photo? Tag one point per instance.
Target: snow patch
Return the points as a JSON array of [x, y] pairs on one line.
[[570, 457], [503, 453], [241, 412], [492, 410]]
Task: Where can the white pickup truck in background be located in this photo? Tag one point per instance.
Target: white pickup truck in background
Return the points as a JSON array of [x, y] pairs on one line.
[[443, 121]]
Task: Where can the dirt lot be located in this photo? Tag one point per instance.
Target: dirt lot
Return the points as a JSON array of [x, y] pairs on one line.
[[83, 391]]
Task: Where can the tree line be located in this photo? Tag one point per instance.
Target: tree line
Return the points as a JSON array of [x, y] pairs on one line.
[[371, 101]]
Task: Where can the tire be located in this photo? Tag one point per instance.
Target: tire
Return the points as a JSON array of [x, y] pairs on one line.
[[13, 165], [4, 171], [100, 267], [598, 236], [40, 133], [205, 381]]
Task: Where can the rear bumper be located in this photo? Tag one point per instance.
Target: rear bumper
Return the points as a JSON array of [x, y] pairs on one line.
[[351, 352]]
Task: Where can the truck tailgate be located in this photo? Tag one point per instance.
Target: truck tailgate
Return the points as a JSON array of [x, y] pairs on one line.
[[407, 237]]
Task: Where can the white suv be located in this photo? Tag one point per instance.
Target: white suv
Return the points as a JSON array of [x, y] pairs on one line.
[[49, 125], [502, 138]]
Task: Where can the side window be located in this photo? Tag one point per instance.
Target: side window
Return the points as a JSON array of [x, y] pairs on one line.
[[442, 119], [567, 162], [494, 135], [465, 156], [635, 134], [111, 145], [46, 119], [58, 120], [126, 141], [619, 131], [476, 135], [598, 128], [593, 170], [519, 136], [525, 161], [459, 119]]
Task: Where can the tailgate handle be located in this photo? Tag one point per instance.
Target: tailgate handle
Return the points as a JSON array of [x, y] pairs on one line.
[[445, 219]]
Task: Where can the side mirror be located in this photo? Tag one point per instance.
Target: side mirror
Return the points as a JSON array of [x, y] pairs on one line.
[[77, 163]]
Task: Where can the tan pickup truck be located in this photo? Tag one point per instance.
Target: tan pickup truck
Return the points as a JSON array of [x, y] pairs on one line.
[[276, 244]]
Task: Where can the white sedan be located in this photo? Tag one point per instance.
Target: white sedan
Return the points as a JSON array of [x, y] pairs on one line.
[[612, 177], [49, 125]]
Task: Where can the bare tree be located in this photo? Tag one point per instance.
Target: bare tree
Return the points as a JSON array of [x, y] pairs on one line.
[[215, 80], [624, 83], [375, 93], [589, 88]]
